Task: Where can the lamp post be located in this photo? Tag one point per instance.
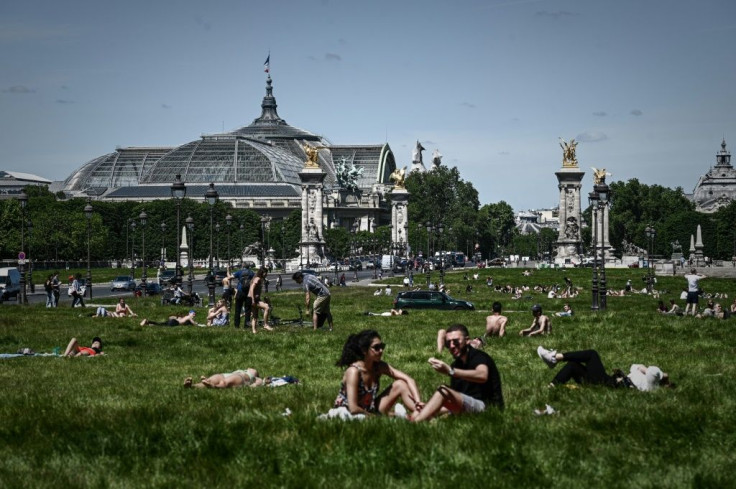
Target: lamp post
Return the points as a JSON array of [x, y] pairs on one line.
[[88, 214], [264, 220], [144, 219], [242, 238], [163, 243], [29, 258], [427, 261], [441, 229], [228, 224], [132, 248], [603, 197], [23, 199], [651, 235], [178, 191], [190, 227], [217, 250], [593, 200], [211, 197]]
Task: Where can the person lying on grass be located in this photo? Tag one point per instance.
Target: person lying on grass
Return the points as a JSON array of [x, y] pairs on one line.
[[239, 378], [474, 380], [74, 350], [540, 324], [101, 312], [174, 320], [392, 312], [586, 367], [362, 354]]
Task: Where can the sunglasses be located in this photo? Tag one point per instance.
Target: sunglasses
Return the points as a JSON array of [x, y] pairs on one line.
[[378, 347], [452, 342]]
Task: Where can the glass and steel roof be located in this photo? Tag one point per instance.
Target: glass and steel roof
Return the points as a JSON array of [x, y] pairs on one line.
[[122, 168]]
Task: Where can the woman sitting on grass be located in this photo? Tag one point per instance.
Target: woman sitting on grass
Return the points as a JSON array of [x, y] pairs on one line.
[[218, 315], [174, 320], [359, 391], [74, 350], [239, 378], [123, 309], [586, 367]]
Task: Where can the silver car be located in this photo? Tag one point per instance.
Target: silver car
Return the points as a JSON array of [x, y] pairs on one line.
[[123, 282]]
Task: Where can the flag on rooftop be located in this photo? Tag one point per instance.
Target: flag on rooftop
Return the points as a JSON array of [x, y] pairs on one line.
[[267, 64]]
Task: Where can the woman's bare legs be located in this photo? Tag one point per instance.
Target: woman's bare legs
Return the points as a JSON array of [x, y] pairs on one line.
[[72, 349]]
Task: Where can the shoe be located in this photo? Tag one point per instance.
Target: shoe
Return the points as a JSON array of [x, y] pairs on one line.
[[548, 356]]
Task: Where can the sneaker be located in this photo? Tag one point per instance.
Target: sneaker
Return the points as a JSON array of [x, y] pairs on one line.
[[548, 356]]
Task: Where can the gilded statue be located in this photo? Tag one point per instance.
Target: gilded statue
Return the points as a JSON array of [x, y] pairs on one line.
[[599, 176], [568, 153], [312, 155], [398, 177]]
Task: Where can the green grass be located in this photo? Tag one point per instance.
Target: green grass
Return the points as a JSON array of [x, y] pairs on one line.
[[123, 420]]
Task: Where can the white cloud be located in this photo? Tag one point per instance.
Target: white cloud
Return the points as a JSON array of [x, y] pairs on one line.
[[591, 136]]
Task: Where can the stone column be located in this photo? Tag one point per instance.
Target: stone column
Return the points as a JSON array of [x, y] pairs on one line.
[[400, 216], [568, 241], [312, 243]]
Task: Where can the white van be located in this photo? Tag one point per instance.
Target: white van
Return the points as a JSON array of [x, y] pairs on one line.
[[9, 283], [388, 262]]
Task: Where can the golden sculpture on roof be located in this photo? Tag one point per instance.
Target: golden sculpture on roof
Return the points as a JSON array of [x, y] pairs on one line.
[[398, 176], [599, 176], [569, 160], [312, 155]]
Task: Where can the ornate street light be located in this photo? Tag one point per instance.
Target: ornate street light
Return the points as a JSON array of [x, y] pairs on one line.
[[163, 243], [178, 192], [242, 244], [132, 248], [190, 227], [603, 197], [441, 230], [651, 235], [228, 222], [23, 199], [217, 251], [593, 201], [211, 197], [264, 221], [144, 219], [427, 260], [29, 258], [88, 210]]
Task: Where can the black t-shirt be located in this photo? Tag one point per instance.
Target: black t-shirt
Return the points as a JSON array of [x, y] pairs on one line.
[[489, 391]]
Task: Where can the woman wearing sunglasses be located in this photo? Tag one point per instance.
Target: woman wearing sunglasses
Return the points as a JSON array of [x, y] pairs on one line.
[[362, 354]]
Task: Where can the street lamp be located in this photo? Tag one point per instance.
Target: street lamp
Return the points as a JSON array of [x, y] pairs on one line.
[[88, 214], [228, 222], [132, 248], [593, 201], [190, 227], [217, 251], [211, 197], [163, 243], [178, 191], [651, 234], [441, 229], [427, 261], [603, 197], [242, 238], [29, 258], [143, 218], [23, 199], [264, 220]]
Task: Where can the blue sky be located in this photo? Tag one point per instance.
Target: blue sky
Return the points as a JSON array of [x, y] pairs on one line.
[[646, 86]]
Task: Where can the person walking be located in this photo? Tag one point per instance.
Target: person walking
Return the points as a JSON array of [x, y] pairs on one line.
[[75, 291]]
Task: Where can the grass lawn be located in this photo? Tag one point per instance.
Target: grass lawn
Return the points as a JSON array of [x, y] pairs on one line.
[[124, 419]]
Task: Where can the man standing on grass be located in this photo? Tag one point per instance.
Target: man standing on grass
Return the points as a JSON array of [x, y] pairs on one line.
[[693, 290], [243, 278], [474, 379], [321, 308]]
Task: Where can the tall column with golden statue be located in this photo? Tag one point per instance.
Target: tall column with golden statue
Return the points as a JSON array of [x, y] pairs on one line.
[[311, 246], [399, 212], [569, 179]]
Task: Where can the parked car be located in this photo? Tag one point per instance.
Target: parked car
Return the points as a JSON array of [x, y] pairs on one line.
[[496, 262], [123, 282], [9, 283], [429, 299], [166, 277], [152, 288]]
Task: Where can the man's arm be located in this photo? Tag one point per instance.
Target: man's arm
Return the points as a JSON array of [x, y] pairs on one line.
[[477, 375]]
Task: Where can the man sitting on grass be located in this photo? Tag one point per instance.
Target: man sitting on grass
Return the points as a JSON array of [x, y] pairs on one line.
[[475, 382], [496, 323], [540, 324]]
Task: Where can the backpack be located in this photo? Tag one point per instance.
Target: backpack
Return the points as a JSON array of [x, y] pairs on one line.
[[245, 278]]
